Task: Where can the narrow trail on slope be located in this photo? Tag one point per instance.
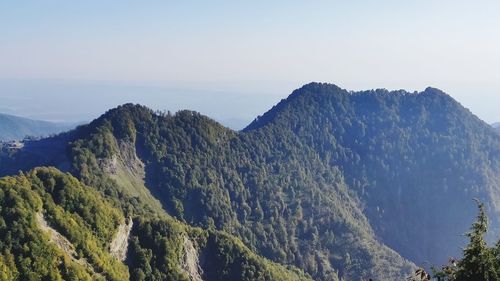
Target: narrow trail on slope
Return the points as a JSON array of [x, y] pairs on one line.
[[119, 245]]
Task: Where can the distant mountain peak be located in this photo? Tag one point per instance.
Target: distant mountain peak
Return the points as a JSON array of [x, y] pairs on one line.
[[316, 85], [332, 91], [17, 128]]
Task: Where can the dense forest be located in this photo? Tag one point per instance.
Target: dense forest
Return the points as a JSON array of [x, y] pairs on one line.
[[211, 177], [159, 246], [406, 155], [331, 184]]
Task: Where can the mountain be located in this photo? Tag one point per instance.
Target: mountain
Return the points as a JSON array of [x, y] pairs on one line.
[[407, 155], [496, 126], [209, 176], [17, 128], [342, 185], [212, 177], [52, 227]]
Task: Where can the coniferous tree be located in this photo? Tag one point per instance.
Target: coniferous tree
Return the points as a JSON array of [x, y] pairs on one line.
[[478, 262]]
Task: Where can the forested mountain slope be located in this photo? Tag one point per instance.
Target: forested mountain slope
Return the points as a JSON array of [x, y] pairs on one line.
[[274, 193], [52, 227], [323, 181], [415, 160]]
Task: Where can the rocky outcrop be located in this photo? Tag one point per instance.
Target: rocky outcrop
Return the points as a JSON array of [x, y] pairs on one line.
[[190, 262], [62, 242], [119, 245]]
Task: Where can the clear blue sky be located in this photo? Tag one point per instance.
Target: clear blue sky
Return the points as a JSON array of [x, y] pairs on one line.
[[246, 54]]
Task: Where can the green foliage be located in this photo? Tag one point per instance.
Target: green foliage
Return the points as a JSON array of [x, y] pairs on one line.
[[211, 177], [156, 250], [157, 243], [77, 212], [159, 248], [83, 217], [479, 262], [318, 182], [405, 154], [25, 253], [82, 203], [228, 259]]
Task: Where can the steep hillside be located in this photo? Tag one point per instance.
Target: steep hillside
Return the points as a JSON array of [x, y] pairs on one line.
[[52, 227], [415, 160], [273, 192], [209, 176], [328, 180], [17, 128]]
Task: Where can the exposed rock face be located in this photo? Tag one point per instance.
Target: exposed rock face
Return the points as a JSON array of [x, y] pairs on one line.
[[55, 237], [126, 158], [127, 169], [119, 246], [190, 262], [62, 242]]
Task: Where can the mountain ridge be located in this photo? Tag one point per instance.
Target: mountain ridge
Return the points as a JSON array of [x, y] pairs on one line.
[[333, 183], [313, 87], [351, 116], [17, 128]]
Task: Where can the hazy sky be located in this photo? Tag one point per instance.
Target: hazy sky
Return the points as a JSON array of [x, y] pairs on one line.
[[234, 59]]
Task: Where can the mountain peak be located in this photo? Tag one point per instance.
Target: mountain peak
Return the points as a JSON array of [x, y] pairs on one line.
[[323, 94], [319, 85], [16, 128], [435, 91], [312, 88]]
